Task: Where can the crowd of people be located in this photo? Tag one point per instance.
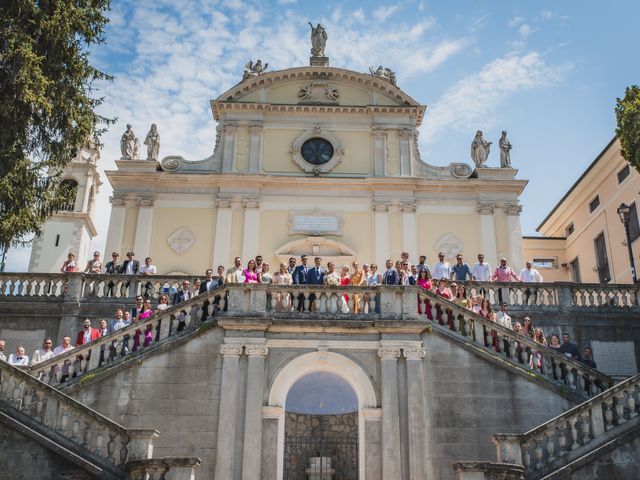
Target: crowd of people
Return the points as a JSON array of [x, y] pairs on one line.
[[441, 278]]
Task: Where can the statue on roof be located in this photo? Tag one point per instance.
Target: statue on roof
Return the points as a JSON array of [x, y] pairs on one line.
[[318, 40], [505, 150], [384, 73], [152, 141], [254, 69], [128, 143], [480, 150]]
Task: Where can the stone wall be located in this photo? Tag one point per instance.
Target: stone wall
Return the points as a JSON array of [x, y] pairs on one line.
[[321, 426], [623, 463]]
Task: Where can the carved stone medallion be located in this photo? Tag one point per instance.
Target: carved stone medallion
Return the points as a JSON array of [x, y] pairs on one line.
[[181, 240], [449, 244], [318, 94]]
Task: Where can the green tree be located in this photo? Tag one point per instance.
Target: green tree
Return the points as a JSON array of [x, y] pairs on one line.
[[628, 131], [47, 105]]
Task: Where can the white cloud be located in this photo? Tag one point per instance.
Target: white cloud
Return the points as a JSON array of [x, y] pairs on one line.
[[382, 13], [286, 2], [546, 14], [470, 102], [525, 30], [422, 61], [359, 15], [515, 21]]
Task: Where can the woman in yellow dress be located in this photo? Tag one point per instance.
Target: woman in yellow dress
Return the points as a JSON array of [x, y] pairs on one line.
[[357, 279]]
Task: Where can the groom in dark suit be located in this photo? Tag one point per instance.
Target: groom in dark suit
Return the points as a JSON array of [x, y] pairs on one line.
[[301, 277], [315, 276]]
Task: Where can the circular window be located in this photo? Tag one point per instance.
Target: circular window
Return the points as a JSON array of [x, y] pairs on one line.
[[317, 151]]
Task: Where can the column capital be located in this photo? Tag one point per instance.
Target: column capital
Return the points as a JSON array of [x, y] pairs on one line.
[[117, 201], [392, 353], [230, 128], [414, 353], [230, 350], [223, 203], [408, 207], [256, 350], [381, 206], [512, 209], [144, 202], [378, 132], [405, 133], [251, 203], [255, 128], [485, 208]]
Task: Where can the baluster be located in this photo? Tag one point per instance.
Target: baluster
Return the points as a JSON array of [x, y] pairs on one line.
[[444, 317], [333, 303], [537, 451], [63, 422], [581, 382], [550, 446], [489, 338], [608, 414], [16, 396], [574, 433], [462, 325], [557, 370], [562, 440], [86, 442], [305, 302], [526, 455], [322, 303], [124, 450], [631, 402], [524, 356], [592, 298], [99, 440], [512, 349], [39, 408], [569, 378], [619, 397], [27, 400], [586, 427], [501, 344], [75, 431], [547, 366], [593, 388], [111, 447]]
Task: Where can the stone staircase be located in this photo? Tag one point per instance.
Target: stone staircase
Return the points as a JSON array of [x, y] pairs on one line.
[[580, 436], [97, 446]]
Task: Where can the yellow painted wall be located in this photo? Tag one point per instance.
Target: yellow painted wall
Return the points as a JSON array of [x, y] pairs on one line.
[[357, 156], [393, 153], [237, 227], [548, 248], [200, 221], [357, 231], [128, 237], [288, 94], [432, 226], [395, 233]]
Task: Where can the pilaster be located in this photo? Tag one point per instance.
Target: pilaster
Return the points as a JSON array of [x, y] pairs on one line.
[[381, 232], [225, 458], [142, 242], [251, 457], [255, 148], [415, 400], [405, 135], [514, 236], [379, 137], [488, 232], [251, 230], [228, 147], [409, 228], [222, 235], [116, 225], [390, 412]]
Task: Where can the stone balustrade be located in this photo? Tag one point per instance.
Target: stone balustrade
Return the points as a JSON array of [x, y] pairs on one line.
[[567, 436], [98, 437], [520, 350], [488, 471], [135, 338], [102, 287], [146, 469]]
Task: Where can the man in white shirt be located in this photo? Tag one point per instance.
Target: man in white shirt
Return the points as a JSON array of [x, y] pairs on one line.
[[46, 353], [480, 270], [64, 347], [530, 275], [19, 359], [148, 269], [2, 356], [441, 269], [234, 274], [502, 318]]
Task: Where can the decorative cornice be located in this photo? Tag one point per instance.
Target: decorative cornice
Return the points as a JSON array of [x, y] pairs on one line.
[[392, 353], [414, 353], [256, 350], [145, 202], [230, 350], [117, 201]]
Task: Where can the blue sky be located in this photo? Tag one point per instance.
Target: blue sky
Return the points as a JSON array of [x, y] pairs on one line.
[[548, 72]]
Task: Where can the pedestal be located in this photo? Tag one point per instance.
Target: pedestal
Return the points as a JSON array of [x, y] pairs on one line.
[[319, 61]]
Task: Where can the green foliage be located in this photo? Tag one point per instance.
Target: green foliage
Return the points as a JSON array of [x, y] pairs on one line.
[[48, 107], [628, 131]]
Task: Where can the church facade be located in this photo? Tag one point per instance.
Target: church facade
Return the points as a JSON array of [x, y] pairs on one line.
[[316, 160]]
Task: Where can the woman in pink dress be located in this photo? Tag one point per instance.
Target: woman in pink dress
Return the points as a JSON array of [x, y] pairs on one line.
[[251, 272], [423, 282], [487, 312], [145, 312], [345, 279]]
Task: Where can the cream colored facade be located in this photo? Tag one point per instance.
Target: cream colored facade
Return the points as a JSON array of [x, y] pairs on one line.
[[257, 195], [574, 224]]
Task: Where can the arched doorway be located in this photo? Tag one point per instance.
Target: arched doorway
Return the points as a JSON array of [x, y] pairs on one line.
[[321, 429], [329, 362]]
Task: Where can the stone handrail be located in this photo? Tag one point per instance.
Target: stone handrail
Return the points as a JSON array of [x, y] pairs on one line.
[[180, 468], [135, 338], [567, 436], [99, 287], [518, 349], [100, 437]]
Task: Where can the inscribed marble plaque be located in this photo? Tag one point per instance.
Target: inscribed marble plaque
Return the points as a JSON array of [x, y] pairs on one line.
[[312, 223], [615, 358]]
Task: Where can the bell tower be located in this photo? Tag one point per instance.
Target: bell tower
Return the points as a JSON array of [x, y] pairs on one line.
[[70, 229]]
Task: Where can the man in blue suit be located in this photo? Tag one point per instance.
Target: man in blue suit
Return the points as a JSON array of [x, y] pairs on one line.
[[301, 277], [315, 277], [391, 276]]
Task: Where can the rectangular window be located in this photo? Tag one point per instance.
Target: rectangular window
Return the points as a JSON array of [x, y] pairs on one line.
[[602, 259], [624, 173], [57, 240], [595, 203], [550, 262], [574, 268], [569, 230], [634, 226]]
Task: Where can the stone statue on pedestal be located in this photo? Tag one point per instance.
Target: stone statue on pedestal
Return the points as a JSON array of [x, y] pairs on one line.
[[318, 40], [480, 150], [384, 73], [128, 144], [505, 150], [254, 69], [152, 141]]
